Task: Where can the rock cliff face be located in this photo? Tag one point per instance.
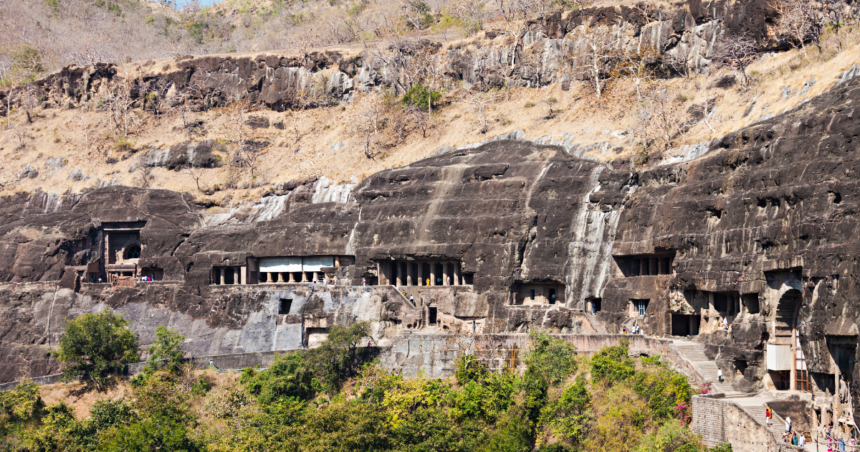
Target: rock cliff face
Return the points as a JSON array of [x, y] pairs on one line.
[[760, 233], [533, 56]]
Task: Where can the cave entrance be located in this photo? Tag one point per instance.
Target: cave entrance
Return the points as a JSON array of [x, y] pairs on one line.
[[740, 365], [592, 305], [431, 315], [786, 360], [537, 293], [685, 325]]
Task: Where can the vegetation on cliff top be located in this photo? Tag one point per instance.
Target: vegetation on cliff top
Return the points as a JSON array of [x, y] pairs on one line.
[[336, 397]]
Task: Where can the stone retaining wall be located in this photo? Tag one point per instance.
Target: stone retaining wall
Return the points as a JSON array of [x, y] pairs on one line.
[[719, 420]]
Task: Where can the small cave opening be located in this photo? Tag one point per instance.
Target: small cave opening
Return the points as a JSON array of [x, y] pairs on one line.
[[285, 305], [834, 197], [740, 365], [714, 212], [432, 313]]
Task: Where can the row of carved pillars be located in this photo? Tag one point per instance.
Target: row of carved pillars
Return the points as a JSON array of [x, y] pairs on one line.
[[221, 274], [290, 277], [412, 273]]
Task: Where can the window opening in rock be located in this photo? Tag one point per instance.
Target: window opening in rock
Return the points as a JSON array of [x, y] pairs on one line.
[[593, 304], [284, 308], [641, 306], [228, 276], [533, 294], [431, 315], [468, 278], [750, 301], [132, 252], [552, 296]]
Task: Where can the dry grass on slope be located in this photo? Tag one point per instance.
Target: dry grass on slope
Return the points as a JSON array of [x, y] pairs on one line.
[[330, 142]]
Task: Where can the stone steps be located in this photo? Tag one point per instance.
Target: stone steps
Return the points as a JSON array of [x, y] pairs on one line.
[[695, 354], [596, 324]]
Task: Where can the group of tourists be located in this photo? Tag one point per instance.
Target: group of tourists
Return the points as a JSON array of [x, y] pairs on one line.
[[834, 444], [633, 330]]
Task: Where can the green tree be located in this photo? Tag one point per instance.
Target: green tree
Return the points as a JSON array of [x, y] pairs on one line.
[[95, 346], [166, 351], [337, 358], [550, 358], [421, 97]]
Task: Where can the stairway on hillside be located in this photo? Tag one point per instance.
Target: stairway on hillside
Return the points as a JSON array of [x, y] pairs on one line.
[[753, 404], [596, 324], [695, 354]]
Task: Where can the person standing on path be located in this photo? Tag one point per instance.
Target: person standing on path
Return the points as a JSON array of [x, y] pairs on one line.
[[767, 414], [788, 424]]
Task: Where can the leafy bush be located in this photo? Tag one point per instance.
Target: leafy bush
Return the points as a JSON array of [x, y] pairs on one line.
[[665, 391], [724, 447], [611, 364], [95, 346], [289, 377], [570, 415], [469, 368], [201, 386], [21, 403], [56, 431], [672, 436]]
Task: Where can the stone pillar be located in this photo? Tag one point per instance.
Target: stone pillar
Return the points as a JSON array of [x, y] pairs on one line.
[[280, 277], [445, 268], [243, 272], [456, 272], [661, 266], [221, 275], [304, 277], [653, 266], [410, 275], [107, 249], [236, 278], [432, 274], [643, 267], [337, 261], [420, 274], [292, 277], [398, 275]]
